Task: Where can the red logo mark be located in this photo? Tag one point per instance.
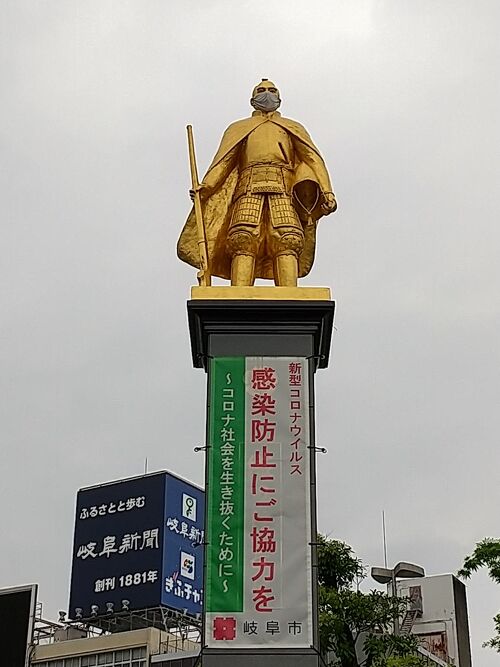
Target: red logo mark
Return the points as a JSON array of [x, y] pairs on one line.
[[224, 628]]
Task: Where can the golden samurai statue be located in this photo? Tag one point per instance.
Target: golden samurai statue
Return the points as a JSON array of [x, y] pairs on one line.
[[260, 199]]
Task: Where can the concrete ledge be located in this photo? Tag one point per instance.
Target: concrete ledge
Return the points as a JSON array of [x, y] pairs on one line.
[[260, 327], [261, 658], [262, 293]]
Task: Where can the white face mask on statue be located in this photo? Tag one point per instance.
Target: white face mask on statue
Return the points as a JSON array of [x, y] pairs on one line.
[[265, 101]]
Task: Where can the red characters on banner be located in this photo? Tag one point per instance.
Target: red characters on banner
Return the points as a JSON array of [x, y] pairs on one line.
[[296, 415], [263, 486], [263, 404], [295, 374], [262, 459], [268, 503], [262, 566], [263, 540], [263, 378], [262, 597], [263, 428], [261, 489]]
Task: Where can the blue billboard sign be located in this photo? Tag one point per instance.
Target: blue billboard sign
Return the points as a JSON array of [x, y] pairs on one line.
[[138, 543], [183, 547]]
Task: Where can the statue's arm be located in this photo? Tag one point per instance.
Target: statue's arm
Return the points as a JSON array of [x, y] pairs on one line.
[[307, 152], [217, 175], [225, 159]]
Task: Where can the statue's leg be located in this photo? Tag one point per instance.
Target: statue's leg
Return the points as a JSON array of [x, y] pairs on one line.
[[243, 270], [286, 240], [285, 270], [244, 238]]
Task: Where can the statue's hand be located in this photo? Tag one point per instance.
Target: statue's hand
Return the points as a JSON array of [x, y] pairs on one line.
[[201, 189], [329, 203]]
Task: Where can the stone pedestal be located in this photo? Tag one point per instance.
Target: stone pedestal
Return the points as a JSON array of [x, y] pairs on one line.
[[265, 322]]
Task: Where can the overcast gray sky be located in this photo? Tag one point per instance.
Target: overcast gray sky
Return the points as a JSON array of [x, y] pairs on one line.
[[402, 98]]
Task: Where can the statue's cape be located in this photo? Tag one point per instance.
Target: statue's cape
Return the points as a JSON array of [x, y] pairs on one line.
[[310, 180]]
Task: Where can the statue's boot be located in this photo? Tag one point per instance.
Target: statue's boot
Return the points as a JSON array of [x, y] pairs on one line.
[[286, 270], [242, 270]]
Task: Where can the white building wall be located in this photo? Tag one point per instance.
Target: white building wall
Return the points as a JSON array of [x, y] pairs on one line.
[[439, 612]]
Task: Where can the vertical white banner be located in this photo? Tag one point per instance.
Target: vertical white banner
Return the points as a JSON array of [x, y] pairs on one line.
[[277, 578]]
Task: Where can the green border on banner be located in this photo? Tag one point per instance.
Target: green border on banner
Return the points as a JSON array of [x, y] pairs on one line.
[[225, 593]]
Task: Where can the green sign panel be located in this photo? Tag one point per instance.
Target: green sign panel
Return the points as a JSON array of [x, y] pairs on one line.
[[225, 488]]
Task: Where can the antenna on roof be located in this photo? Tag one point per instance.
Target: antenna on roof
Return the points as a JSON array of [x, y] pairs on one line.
[[384, 538]]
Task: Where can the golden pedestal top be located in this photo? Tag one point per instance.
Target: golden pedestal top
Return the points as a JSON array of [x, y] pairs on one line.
[[260, 293]]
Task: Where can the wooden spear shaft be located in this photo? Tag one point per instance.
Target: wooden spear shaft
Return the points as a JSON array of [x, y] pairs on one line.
[[204, 272]]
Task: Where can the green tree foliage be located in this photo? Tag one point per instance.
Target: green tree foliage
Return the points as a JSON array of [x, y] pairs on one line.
[[486, 554], [346, 614], [404, 661], [494, 642]]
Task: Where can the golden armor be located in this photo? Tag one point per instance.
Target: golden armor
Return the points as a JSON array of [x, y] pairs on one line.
[[260, 199]]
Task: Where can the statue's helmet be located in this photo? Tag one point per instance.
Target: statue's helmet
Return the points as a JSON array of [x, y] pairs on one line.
[[265, 86]]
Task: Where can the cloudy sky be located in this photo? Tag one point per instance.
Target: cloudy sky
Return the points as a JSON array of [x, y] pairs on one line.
[[402, 98]]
